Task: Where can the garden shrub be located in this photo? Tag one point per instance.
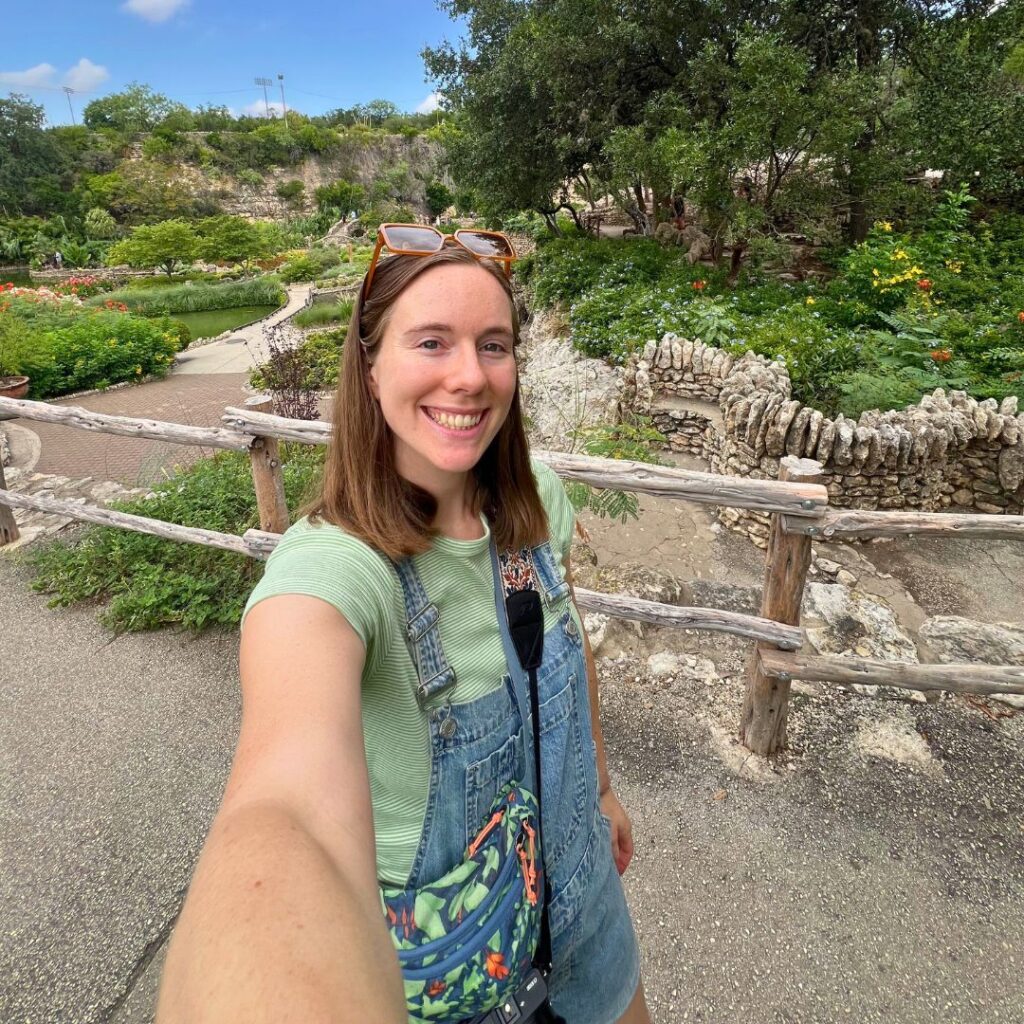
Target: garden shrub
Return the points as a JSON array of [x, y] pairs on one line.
[[68, 349], [147, 582]]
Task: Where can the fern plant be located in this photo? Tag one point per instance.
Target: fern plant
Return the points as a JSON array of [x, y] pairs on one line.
[[630, 440]]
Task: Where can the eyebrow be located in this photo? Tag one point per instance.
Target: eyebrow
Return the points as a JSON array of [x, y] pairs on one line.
[[420, 328]]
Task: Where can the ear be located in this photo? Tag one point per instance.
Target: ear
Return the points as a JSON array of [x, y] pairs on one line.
[[371, 379]]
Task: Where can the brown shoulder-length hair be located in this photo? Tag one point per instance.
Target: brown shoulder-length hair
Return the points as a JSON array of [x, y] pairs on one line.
[[361, 490]]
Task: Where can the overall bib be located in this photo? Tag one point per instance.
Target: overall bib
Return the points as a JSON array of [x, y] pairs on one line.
[[479, 746]]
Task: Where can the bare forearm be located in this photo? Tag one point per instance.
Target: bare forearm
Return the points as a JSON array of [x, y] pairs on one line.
[[272, 931], [603, 779]]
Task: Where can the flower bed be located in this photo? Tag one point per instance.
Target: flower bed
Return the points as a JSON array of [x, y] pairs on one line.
[[64, 346]]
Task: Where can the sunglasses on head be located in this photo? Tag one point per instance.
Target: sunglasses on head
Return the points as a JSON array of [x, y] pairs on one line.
[[423, 240]]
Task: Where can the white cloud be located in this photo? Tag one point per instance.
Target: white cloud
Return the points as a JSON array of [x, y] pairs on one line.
[[154, 10], [430, 104], [85, 76], [39, 77], [258, 109]]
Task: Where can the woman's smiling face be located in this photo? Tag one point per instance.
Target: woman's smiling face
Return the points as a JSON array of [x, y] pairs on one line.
[[445, 372]]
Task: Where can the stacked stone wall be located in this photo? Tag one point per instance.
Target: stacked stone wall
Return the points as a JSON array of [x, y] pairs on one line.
[[949, 452]]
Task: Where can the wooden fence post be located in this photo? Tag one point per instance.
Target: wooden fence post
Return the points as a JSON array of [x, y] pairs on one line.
[[267, 477], [766, 704], [8, 527]]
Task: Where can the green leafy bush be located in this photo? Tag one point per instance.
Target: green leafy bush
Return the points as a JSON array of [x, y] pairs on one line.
[[147, 582], [68, 348], [314, 365]]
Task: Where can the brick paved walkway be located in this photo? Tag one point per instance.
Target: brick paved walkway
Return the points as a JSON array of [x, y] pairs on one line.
[[194, 399]]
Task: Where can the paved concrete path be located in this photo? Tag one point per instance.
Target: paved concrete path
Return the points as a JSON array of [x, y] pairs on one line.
[[202, 382]]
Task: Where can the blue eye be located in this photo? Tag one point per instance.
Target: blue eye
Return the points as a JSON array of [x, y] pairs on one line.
[[429, 341]]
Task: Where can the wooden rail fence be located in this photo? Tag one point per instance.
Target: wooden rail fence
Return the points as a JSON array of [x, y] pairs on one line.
[[798, 502]]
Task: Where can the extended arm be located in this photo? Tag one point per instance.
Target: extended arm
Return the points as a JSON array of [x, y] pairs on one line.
[[282, 920]]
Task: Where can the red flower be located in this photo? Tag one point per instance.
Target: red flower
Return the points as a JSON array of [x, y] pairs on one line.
[[699, 286], [435, 988], [941, 355], [924, 284], [496, 966], [1020, 316]]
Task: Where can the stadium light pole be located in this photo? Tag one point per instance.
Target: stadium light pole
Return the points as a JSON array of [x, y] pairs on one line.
[[284, 106], [68, 91], [266, 102]]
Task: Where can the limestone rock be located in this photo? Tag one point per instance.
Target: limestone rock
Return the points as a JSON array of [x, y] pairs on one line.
[[796, 438], [954, 639], [852, 624], [775, 438], [842, 451], [1011, 467], [826, 441], [677, 354]]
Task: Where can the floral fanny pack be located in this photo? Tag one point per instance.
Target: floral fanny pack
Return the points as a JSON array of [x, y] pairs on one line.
[[467, 939]]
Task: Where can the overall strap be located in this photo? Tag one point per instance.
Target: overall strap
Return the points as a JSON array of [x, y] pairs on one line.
[[423, 636], [552, 586]]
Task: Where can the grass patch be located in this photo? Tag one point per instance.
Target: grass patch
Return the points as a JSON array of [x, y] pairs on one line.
[[325, 313], [147, 582], [197, 297]]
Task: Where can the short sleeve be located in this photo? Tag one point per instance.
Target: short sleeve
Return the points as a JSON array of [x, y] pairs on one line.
[[561, 514], [323, 561]]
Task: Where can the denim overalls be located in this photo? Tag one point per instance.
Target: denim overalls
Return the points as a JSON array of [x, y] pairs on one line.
[[478, 746]]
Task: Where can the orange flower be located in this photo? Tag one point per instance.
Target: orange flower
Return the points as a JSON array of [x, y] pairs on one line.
[[1020, 316], [435, 988], [699, 286], [496, 965], [924, 284], [941, 355]]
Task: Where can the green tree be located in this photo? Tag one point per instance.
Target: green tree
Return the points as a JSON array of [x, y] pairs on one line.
[[100, 224], [439, 197], [167, 245], [233, 239], [29, 160], [135, 109], [341, 198]]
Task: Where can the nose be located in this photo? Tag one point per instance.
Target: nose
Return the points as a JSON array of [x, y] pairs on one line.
[[467, 371]]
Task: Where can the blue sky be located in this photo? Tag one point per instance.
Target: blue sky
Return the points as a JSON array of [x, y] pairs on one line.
[[332, 54]]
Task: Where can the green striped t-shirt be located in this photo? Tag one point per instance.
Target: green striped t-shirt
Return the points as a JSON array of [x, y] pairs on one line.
[[324, 561]]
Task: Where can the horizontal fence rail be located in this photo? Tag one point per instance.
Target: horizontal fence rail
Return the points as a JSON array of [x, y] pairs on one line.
[[852, 524], [971, 678], [127, 426], [798, 500], [127, 521]]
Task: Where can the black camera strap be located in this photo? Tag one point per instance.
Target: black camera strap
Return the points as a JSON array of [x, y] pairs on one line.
[[526, 626]]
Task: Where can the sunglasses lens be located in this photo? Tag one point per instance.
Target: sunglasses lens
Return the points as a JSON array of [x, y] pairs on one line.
[[486, 243], [411, 238]]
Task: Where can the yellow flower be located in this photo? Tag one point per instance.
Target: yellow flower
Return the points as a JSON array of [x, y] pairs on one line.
[[111, 343], [883, 225], [138, 369], [954, 266], [875, 272], [810, 301], [899, 254]]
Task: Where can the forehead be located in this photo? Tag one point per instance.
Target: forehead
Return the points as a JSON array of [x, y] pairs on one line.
[[461, 294]]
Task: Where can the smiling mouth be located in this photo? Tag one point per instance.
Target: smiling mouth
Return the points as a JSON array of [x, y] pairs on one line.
[[455, 421]]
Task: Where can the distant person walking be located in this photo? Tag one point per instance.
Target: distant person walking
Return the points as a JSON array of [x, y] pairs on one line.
[[58, 260]]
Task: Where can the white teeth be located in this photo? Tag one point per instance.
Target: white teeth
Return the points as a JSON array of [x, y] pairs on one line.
[[459, 422]]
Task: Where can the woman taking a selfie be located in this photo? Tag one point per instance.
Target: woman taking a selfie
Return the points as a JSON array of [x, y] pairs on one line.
[[420, 769]]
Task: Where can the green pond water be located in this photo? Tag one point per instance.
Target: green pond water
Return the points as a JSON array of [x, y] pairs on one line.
[[19, 277], [212, 322]]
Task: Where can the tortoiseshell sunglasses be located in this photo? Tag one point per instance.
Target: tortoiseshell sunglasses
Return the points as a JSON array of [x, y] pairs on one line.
[[423, 240]]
